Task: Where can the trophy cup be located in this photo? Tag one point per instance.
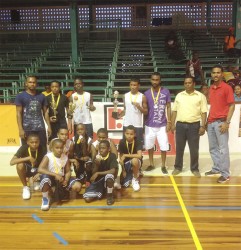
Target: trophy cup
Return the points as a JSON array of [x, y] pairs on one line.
[[54, 108], [72, 107], [115, 102]]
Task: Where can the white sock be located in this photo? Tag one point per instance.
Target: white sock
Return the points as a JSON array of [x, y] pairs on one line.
[[109, 190], [45, 194]]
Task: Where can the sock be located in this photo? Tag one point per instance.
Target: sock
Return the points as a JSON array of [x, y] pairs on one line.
[[109, 190], [45, 194]]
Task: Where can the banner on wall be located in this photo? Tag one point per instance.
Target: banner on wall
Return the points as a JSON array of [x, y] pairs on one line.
[[8, 126]]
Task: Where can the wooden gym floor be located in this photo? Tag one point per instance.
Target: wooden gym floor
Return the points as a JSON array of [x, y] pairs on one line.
[[168, 213]]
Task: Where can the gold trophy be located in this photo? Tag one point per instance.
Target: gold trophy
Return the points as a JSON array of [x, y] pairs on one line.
[[54, 106], [72, 107], [115, 102]]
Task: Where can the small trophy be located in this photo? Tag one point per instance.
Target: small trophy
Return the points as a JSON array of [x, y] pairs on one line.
[[72, 107], [54, 108], [115, 102]]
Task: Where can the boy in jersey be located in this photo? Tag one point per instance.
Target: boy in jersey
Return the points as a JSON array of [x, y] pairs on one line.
[[130, 149], [27, 160], [103, 175]]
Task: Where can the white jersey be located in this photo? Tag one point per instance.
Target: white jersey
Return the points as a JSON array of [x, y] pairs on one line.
[[81, 113], [56, 165], [133, 116]]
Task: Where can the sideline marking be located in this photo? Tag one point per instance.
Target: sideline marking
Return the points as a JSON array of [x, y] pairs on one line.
[[231, 208], [59, 238], [160, 185], [186, 215], [39, 220]]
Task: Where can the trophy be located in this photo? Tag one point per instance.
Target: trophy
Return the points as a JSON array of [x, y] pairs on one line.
[[72, 107], [54, 106], [115, 102]]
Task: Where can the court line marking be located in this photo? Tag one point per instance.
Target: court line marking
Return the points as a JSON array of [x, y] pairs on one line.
[[186, 215], [60, 239], [160, 185], [128, 207], [39, 220]]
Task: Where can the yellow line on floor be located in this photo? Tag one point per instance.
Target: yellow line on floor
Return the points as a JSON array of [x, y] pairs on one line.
[[186, 215]]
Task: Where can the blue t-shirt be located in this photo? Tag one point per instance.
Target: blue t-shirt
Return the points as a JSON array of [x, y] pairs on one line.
[[156, 117], [32, 110]]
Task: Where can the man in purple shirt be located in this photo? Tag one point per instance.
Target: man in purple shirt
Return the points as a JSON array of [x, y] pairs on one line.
[[157, 124]]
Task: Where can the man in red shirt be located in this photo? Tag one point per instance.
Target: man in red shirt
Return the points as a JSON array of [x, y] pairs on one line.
[[221, 110]]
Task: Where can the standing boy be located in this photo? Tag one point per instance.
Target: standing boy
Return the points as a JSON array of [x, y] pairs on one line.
[[57, 105], [27, 160], [130, 149], [157, 124], [134, 107], [83, 102]]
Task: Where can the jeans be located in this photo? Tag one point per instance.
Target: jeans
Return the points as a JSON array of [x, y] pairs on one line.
[[218, 148], [187, 132]]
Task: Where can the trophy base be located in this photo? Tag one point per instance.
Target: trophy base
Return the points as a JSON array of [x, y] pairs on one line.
[[115, 115]]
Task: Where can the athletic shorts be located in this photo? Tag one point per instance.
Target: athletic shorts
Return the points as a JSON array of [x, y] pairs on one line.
[[151, 134], [97, 189], [125, 182]]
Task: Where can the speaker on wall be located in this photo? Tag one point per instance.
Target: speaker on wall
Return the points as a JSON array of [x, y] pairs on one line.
[[15, 16]]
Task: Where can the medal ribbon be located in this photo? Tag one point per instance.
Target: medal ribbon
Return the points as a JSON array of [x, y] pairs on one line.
[[155, 99], [105, 158], [55, 103], [81, 103], [134, 98], [30, 154], [132, 147], [57, 169]]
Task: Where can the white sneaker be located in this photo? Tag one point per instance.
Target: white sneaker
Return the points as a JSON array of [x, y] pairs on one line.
[[45, 204], [26, 193], [117, 185], [135, 185]]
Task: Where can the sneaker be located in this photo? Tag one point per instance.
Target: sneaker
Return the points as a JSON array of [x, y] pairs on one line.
[[26, 193], [196, 173], [110, 199], [45, 204], [176, 171], [164, 170], [135, 185], [222, 179], [36, 186], [211, 172], [117, 185], [150, 168]]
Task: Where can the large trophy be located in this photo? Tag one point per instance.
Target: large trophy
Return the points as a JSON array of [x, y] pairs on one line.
[[54, 107], [115, 102], [72, 107]]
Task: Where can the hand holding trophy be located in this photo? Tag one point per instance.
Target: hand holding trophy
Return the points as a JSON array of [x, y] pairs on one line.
[[71, 110], [115, 103], [54, 106]]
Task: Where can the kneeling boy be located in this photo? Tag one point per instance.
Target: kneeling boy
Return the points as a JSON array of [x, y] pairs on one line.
[[104, 173], [27, 160], [130, 149]]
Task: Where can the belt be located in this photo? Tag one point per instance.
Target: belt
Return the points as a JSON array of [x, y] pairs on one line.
[[189, 122]]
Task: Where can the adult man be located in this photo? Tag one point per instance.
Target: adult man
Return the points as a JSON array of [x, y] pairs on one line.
[[190, 106], [83, 103], [230, 43], [157, 125], [57, 104], [221, 111], [134, 107], [31, 106]]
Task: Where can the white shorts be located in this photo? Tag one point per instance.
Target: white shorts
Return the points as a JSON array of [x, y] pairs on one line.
[[151, 134]]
